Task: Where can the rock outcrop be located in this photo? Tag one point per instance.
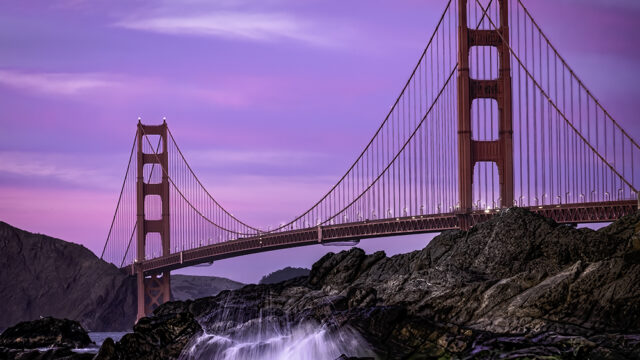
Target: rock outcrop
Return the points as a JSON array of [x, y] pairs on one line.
[[159, 337], [46, 338], [518, 284], [45, 332]]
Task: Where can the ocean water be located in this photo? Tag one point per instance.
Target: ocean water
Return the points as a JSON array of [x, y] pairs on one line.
[[99, 338], [262, 339]]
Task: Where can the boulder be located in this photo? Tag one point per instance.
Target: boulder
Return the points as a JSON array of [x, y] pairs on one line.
[[45, 332], [153, 338]]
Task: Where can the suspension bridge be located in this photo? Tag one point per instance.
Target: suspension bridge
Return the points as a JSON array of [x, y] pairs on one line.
[[492, 116]]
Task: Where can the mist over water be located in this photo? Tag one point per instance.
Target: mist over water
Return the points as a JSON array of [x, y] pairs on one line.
[[265, 339]]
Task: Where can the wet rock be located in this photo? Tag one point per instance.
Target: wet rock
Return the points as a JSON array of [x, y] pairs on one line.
[[45, 332], [158, 337], [50, 354]]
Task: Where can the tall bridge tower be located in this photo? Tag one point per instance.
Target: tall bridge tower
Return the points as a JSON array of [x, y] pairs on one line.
[[153, 290], [500, 150]]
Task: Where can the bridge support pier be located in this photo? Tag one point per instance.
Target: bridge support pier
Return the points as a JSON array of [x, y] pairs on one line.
[[152, 290]]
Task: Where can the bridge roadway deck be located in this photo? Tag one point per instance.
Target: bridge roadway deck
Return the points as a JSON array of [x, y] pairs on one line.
[[566, 213]]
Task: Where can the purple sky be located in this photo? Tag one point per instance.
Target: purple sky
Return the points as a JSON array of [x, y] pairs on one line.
[[270, 100]]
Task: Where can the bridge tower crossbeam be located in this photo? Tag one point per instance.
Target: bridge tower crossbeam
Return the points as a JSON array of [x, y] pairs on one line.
[[471, 151]]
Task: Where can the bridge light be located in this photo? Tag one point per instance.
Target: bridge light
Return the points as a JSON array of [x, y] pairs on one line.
[[566, 197], [620, 191], [405, 211], [559, 199], [422, 209], [582, 197], [607, 195]]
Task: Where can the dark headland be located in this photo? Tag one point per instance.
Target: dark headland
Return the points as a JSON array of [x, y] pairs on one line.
[[43, 276]]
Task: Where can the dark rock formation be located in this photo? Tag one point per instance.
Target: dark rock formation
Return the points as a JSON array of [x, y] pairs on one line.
[[159, 337], [518, 285], [189, 287], [63, 353], [45, 332], [57, 336], [285, 274]]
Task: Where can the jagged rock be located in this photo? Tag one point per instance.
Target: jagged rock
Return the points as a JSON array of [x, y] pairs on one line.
[[153, 338], [26, 340], [50, 354], [45, 332], [517, 286]]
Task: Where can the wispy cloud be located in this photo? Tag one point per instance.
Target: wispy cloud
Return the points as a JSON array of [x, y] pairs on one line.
[[252, 26], [229, 92], [56, 83], [69, 169]]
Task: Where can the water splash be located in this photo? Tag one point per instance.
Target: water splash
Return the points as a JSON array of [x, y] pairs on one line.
[[266, 339]]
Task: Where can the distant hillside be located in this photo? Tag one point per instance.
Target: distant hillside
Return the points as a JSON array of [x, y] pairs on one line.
[[283, 275], [45, 276], [189, 287]]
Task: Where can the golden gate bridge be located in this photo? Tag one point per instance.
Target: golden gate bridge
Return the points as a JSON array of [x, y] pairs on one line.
[[492, 116]]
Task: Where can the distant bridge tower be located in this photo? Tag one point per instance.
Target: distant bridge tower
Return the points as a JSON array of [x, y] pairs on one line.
[[153, 290], [470, 151]]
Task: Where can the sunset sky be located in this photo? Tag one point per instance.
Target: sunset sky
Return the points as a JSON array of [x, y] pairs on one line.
[[270, 100]]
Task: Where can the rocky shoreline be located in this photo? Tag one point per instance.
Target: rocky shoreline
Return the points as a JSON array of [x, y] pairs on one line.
[[517, 286]]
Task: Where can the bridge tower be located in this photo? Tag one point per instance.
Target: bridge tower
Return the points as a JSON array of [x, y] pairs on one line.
[[470, 151], [152, 290]]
